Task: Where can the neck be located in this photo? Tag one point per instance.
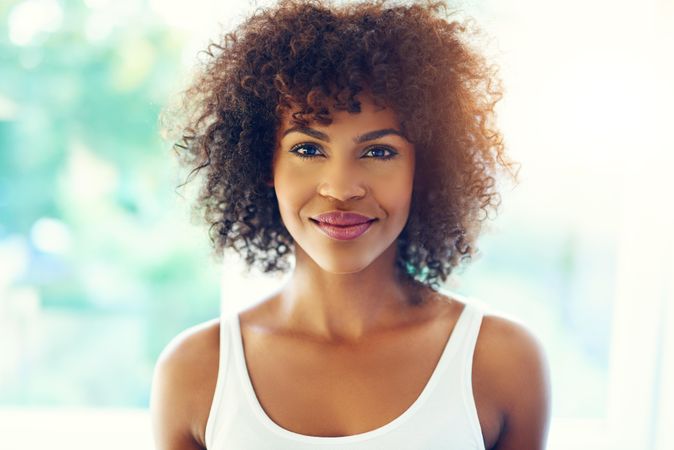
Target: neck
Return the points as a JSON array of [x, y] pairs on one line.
[[346, 307]]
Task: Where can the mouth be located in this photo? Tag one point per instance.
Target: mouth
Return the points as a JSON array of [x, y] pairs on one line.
[[343, 232]]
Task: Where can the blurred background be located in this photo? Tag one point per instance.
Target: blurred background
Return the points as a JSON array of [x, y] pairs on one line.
[[101, 264]]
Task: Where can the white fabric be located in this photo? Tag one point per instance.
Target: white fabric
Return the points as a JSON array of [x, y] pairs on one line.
[[443, 416]]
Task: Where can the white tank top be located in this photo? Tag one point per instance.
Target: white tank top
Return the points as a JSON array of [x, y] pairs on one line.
[[442, 417]]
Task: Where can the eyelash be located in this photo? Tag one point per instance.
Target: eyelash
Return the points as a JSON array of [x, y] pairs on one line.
[[392, 152]]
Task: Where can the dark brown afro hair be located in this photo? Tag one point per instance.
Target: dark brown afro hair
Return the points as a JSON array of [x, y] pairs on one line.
[[317, 56]]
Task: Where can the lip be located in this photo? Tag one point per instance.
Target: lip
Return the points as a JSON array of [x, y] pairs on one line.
[[342, 218], [343, 233]]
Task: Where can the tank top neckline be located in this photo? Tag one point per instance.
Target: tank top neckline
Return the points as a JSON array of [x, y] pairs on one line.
[[248, 391]]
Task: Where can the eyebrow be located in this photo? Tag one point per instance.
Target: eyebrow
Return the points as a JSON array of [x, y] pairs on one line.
[[372, 135]]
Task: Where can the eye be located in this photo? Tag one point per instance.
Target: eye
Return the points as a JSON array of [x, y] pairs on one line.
[[380, 152], [305, 150]]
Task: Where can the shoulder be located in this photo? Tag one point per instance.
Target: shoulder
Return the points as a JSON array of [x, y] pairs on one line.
[[513, 360], [518, 344], [183, 386]]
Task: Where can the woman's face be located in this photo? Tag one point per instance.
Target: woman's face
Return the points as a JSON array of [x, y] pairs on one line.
[[359, 163]]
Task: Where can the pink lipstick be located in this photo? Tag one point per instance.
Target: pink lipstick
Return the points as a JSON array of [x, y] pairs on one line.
[[343, 233], [343, 225]]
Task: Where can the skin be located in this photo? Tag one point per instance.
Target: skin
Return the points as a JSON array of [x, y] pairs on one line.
[[326, 348], [359, 292]]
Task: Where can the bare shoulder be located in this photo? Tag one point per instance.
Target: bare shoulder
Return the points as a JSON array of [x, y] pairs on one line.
[[513, 370], [183, 386]]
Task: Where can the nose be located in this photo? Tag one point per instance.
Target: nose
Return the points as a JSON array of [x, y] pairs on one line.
[[341, 184]]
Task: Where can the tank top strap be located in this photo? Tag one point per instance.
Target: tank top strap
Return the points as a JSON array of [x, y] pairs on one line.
[[471, 327], [469, 334], [465, 357], [224, 362]]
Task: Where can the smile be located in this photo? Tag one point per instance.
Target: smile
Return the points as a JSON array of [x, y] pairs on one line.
[[343, 233]]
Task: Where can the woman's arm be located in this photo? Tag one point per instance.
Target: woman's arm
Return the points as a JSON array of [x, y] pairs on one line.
[[182, 389], [523, 386]]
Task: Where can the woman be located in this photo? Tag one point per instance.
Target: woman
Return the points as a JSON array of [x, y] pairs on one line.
[[357, 140]]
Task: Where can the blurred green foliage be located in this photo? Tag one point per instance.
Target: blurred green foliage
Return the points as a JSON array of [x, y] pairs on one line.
[[80, 146]]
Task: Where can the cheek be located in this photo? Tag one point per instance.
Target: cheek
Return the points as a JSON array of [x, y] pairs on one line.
[[393, 196], [396, 190], [292, 190]]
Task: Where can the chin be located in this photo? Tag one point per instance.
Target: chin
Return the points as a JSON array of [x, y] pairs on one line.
[[343, 259], [342, 267]]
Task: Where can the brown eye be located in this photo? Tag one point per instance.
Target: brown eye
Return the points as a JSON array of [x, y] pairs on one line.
[[380, 152], [305, 150]]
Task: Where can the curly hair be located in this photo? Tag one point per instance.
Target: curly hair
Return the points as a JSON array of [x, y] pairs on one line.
[[312, 55]]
